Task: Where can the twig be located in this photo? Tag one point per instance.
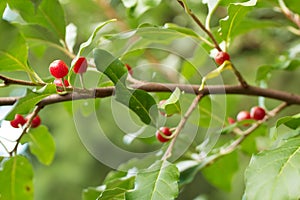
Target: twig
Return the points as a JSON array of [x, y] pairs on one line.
[[181, 125], [239, 77], [9, 81], [199, 23], [233, 145], [295, 18]]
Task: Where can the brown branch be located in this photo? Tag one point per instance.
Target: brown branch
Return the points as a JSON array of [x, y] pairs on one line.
[[181, 125], [10, 81], [199, 23], [290, 98]]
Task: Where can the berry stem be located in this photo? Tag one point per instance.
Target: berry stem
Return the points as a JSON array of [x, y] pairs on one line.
[[81, 80]]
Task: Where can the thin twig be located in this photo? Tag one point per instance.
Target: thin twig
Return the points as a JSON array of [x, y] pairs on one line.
[[181, 125], [9, 81], [295, 18], [233, 145], [199, 23]]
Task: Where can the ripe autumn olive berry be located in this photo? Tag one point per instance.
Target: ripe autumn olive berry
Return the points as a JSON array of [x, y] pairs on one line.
[[243, 115], [58, 69], [80, 65], [18, 121], [221, 57], [36, 122], [162, 133], [257, 113], [58, 83], [129, 69]]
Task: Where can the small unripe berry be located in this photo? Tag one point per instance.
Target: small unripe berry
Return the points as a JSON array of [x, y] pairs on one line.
[[19, 120], [129, 69], [163, 131], [80, 65], [58, 82], [221, 57], [243, 115], [257, 113], [58, 69], [36, 122], [231, 120]]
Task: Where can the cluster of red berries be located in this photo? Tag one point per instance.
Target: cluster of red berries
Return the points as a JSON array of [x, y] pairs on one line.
[[19, 121], [221, 57], [256, 113], [59, 70], [163, 134]]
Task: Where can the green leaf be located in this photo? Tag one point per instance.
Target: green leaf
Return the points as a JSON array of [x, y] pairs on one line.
[[183, 30], [274, 174], [250, 144], [139, 101], [110, 66], [13, 51], [48, 13], [41, 144], [25, 104], [172, 105], [159, 181], [16, 179], [84, 45], [236, 13], [139, 7], [117, 188], [215, 173], [90, 193], [292, 122]]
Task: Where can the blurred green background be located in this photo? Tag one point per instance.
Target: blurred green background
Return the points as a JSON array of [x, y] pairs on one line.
[[74, 168]]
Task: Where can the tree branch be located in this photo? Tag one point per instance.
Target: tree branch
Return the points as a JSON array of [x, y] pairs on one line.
[[289, 98]]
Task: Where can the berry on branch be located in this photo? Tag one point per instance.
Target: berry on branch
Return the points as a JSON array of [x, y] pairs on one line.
[[80, 65], [18, 121], [129, 69], [58, 69], [257, 113], [243, 115], [58, 83], [36, 122], [221, 57], [163, 133]]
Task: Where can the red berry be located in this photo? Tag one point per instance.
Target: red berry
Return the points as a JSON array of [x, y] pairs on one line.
[[231, 120], [58, 82], [163, 131], [36, 122], [221, 57], [129, 69], [243, 115], [257, 113], [19, 120], [58, 69], [80, 65]]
